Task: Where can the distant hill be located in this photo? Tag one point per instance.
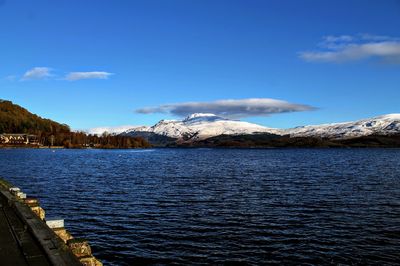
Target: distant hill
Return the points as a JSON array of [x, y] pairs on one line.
[[16, 119], [262, 140], [274, 141], [208, 130], [198, 127], [384, 125]]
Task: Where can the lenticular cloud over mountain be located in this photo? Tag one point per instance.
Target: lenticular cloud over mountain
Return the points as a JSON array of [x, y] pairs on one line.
[[230, 108]]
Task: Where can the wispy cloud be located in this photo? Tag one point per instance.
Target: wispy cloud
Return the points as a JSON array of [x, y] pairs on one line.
[[37, 73], [347, 48], [230, 108], [87, 75], [10, 77]]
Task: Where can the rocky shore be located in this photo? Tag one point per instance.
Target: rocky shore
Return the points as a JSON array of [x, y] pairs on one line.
[[40, 227]]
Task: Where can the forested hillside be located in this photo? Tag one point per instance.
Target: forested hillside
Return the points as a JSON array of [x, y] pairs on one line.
[[16, 119]]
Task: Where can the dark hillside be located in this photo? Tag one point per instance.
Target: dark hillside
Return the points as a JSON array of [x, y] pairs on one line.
[[16, 119], [387, 141]]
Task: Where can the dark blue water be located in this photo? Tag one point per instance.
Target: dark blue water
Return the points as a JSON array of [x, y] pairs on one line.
[[205, 206]]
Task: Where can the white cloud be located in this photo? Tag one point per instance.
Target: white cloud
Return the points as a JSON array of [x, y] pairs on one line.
[[116, 130], [347, 48], [37, 73], [230, 108], [87, 75], [341, 38]]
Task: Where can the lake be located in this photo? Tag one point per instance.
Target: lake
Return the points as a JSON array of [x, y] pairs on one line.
[[220, 206]]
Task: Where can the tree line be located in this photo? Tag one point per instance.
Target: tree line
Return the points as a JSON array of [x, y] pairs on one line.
[[84, 140], [15, 119]]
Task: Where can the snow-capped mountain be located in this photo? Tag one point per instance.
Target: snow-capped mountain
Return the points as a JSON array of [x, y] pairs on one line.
[[201, 126], [380, 125]]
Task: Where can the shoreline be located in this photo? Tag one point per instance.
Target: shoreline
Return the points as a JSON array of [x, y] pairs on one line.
[[48, 241], [74, 148], [205, 147]]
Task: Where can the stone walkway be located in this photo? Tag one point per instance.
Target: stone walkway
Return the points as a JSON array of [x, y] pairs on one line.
[[26, 240], [17, 246]]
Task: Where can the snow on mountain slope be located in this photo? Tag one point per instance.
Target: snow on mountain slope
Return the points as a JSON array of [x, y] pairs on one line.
[[111, 130], [201, 126], [380, 125]]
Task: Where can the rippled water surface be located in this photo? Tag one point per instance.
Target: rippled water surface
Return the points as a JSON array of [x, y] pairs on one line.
[[220, 206]]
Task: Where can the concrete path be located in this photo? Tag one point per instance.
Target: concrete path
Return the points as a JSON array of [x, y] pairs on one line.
[[26, 240]]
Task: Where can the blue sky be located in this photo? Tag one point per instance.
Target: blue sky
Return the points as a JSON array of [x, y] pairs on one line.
[[93, 63]]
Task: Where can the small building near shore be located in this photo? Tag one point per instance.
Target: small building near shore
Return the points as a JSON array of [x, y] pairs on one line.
[[18, 139]]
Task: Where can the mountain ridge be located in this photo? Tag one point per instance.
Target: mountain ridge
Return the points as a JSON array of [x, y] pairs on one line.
[[205, 129], [200, 126], [380, 125], [200, 123]]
